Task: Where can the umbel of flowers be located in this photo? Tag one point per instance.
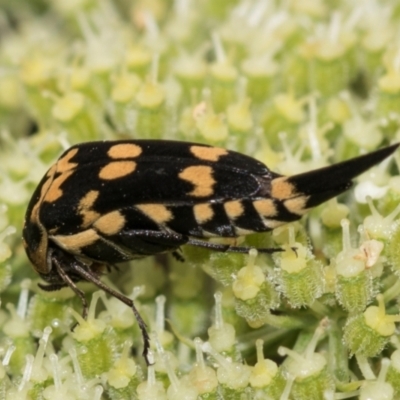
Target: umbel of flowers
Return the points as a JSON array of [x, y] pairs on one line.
[[295, 84]]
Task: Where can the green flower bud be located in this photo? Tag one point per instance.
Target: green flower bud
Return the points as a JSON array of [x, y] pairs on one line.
[[368, 333], [266, 378], [123, 377], [93, 341], [309, 370], [393, 373], [300, 277], [354, 284]]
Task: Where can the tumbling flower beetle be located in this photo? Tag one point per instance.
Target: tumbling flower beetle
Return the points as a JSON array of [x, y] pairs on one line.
[[106, 202]]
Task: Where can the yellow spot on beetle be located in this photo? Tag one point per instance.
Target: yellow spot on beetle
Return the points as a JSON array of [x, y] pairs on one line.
[[117, 169], [124, 150], [203, 212], [265, 207], [88, 200], [233, 209], [35, 210], [201, 178], [208, 153], [64, 164], [157, 212], [52, 170], [74, 243], [54, 192], [110, 223], [281, 189], [50, 192], [297, 205], [38, 255], [85, 208]]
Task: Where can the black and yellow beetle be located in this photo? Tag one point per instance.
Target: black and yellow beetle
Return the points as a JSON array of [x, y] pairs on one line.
[[106, 202]]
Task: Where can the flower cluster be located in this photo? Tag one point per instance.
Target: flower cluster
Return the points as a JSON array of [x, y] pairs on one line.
[[295, 84]]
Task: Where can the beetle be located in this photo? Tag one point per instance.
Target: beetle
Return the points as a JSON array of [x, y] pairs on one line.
[[106, 202]]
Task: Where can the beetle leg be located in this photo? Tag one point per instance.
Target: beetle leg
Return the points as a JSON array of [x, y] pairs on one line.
[[228, 248], [112, 267], [87, 275], [64, 276], [178, 256]]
